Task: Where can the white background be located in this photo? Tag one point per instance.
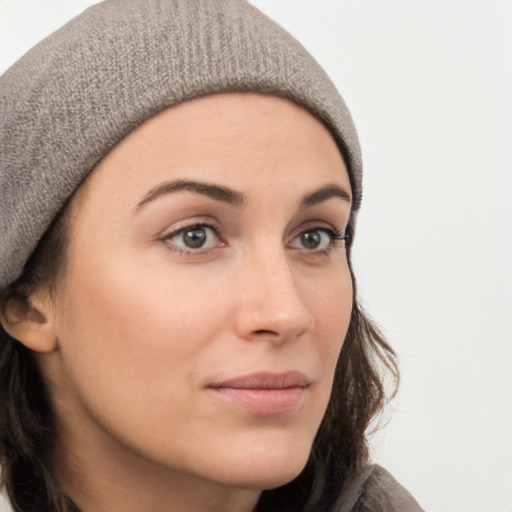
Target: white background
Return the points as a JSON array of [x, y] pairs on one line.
[[429, 83]]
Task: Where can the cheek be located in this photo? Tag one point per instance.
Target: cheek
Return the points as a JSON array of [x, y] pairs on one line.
[[331, 306], [330, 302], [138, 325]]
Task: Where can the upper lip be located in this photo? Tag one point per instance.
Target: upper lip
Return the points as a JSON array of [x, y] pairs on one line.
[[266, 380]]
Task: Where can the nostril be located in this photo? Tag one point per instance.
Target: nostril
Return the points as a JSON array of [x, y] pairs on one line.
[[266, 332]]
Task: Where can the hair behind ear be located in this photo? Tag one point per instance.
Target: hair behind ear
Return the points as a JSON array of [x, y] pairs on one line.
[[26, 417]]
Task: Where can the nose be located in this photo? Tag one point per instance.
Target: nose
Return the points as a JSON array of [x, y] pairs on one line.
[[269, 306]]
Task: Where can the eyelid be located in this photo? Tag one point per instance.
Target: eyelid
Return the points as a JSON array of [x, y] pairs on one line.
[[189, 224], [312, 225], [338, 238]]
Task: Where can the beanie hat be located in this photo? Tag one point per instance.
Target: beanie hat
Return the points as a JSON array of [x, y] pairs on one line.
[[75, 95]]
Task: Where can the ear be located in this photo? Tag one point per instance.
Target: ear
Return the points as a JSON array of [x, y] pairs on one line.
[[28, 318]]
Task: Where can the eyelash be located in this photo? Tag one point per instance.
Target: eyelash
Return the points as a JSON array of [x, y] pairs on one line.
[[337, 238], [335, 235], [191, 227]]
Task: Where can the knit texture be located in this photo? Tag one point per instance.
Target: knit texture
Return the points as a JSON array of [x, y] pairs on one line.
[[375, 490], [70, 99]]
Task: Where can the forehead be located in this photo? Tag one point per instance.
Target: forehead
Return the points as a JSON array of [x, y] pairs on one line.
[[245, 140]]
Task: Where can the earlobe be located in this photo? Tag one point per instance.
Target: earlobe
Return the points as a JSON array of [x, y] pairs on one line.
[[28, 319]]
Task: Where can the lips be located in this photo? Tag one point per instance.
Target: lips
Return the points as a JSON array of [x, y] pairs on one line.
[[264, 393]]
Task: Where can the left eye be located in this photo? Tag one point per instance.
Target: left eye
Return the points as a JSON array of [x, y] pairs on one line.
[[194, 237], [314, 240]]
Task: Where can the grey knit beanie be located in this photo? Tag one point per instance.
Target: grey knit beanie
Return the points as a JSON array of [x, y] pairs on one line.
[[70, 99]]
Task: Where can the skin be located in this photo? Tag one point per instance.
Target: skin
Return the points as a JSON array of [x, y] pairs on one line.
[[140, 326]]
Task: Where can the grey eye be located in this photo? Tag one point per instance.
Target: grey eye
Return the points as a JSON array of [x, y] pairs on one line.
[[311, 240], [314, 239], [194, 237]]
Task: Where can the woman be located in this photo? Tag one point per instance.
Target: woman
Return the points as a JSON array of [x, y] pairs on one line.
[[180, 182]]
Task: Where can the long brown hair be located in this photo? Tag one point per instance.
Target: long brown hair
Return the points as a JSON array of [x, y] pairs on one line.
[[340, 448]]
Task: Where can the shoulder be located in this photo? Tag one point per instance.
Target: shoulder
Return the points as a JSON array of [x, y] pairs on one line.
[[375, 490]]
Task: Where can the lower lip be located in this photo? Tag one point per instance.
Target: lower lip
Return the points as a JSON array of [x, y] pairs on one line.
[[264, 402]]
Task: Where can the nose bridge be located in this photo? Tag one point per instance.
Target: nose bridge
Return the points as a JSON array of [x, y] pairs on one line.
[[271, 304]]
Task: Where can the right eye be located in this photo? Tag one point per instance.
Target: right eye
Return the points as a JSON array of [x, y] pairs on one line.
[[194, 237]]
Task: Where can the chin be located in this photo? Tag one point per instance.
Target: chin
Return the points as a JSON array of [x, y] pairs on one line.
[[267, 470], [271, 480], [264, 480]]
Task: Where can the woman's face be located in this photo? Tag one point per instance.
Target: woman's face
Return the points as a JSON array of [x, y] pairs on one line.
[[206, 296]]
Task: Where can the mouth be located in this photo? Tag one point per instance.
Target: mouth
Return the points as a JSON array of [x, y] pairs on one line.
[[265, 393]]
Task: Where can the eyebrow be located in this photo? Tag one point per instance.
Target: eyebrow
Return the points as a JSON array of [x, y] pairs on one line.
[[217, 192], [230, 196], [323, 194]]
